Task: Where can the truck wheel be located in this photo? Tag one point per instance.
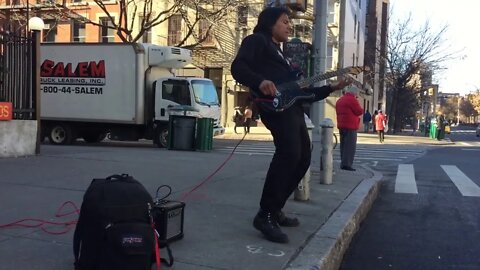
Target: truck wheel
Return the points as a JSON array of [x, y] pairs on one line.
[[60, 134], [162, 137]]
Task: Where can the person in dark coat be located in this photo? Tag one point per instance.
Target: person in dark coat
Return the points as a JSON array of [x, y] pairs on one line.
[[367, 118], [260, 63]]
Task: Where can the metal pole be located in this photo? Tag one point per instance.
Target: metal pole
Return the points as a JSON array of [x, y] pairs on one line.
[[458, 110], [302, 192], [326, 174], [319, 57], [36, 36]]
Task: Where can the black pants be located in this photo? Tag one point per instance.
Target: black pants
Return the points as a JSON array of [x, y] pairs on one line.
[[381, 135], [246, 128], [348, 146], [291, 159]]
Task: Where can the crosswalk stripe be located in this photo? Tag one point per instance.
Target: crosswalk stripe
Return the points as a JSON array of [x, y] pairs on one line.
[[376, 158], [463, 131], [464, 184], [367, 149], [405, 181]]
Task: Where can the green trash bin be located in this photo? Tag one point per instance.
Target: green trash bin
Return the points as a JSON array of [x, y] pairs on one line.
[[204, 135]]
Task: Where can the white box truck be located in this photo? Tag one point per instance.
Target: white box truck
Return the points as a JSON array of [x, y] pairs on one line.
[[123, 90]]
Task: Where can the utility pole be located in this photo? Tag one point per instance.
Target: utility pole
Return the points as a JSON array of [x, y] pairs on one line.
[[317, 111]]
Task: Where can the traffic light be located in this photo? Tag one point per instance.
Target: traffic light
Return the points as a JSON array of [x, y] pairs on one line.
[[430, 91]]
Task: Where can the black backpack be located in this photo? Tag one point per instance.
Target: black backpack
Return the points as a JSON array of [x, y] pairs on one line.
[[114, 229]]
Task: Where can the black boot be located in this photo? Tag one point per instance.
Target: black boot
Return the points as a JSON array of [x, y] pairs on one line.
[[267, 223], [285, 221]]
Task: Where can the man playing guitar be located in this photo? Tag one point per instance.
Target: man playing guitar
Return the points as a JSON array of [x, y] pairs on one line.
[[259, 63]]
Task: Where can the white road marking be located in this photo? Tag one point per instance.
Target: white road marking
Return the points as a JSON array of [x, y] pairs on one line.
[[405, 182], [464, 184]]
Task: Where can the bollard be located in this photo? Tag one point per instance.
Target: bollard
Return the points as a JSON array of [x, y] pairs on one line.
[[302, 192], [326, 158]]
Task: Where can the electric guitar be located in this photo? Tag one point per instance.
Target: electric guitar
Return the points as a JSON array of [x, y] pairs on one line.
[[290, 92]]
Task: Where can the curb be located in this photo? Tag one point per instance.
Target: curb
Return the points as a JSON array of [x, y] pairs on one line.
[[325, 249]]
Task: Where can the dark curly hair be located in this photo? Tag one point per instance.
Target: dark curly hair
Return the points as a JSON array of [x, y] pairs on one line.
[[267, 19]]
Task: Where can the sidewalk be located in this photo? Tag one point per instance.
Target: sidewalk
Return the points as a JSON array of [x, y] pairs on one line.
[[218, 216]]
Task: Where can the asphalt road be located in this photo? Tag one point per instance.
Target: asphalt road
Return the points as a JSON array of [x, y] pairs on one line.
[[426, 215]]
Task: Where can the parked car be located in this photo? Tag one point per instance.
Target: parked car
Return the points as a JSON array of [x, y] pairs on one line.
[[478, 130]]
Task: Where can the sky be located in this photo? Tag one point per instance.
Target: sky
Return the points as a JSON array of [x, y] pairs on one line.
[[463, 35]]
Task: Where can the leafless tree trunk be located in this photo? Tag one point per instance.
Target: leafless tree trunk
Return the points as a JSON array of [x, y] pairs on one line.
[[411, 53]]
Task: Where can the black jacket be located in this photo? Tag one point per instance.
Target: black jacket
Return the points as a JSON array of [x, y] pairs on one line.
[[258, 59]]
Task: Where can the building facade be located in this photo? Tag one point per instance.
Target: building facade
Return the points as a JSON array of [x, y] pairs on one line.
[[349, 36], [375, 50]]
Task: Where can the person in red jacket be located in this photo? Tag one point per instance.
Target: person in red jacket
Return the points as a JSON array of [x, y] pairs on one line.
[[348, 120], [380, 121]]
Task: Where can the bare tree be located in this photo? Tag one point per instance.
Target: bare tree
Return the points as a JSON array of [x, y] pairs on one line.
[[411, 53], [450, 108], [133, 18], [467, 109]]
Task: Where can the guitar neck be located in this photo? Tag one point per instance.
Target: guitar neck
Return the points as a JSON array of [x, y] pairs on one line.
[[309, 81]]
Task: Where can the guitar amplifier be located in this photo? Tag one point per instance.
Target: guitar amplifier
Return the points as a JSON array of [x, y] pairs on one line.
[[168, 217]]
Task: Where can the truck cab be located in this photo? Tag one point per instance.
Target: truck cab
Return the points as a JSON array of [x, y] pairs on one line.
[[199, 94]]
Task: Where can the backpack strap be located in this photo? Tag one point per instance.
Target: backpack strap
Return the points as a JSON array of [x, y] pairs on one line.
[[169, 263]]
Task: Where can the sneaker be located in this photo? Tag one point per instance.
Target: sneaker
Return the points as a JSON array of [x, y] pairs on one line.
[[266, 222], [285, 221]]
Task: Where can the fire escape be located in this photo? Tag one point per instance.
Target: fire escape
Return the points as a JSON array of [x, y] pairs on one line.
[[228, 35], [221, 52]]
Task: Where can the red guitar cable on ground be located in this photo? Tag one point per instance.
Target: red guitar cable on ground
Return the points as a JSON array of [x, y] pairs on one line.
[[40, 223], [208, 178]]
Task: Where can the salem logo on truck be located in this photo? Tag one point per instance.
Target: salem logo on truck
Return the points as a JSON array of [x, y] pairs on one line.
[[83, 69], [84, 78]]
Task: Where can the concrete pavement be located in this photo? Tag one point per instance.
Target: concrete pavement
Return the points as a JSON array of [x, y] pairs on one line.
[[218, 215]]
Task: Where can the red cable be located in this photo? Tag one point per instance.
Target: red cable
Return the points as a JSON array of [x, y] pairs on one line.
[[25, 223], [185, 195]]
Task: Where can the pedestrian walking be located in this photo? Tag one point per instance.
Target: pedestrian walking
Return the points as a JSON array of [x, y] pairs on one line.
[[374, 128], [348, 111], [367, 117], [237, 119], [380, 123], [248, 119], [258, 64]]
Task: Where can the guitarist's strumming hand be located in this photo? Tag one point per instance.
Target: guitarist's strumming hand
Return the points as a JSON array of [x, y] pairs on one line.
[[268, 88], [345, 81]]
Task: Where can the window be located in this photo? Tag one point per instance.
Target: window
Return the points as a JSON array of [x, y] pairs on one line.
[[329, 57], [203, 26], [50, 31], [358, 33], [78, 32], [355, 28], [174, 30], [147, 35], [242, 16], [176, 91], [106, 34]]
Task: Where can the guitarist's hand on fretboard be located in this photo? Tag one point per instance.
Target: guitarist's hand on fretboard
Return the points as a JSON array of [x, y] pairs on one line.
[[268, 88], [342, 83]]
